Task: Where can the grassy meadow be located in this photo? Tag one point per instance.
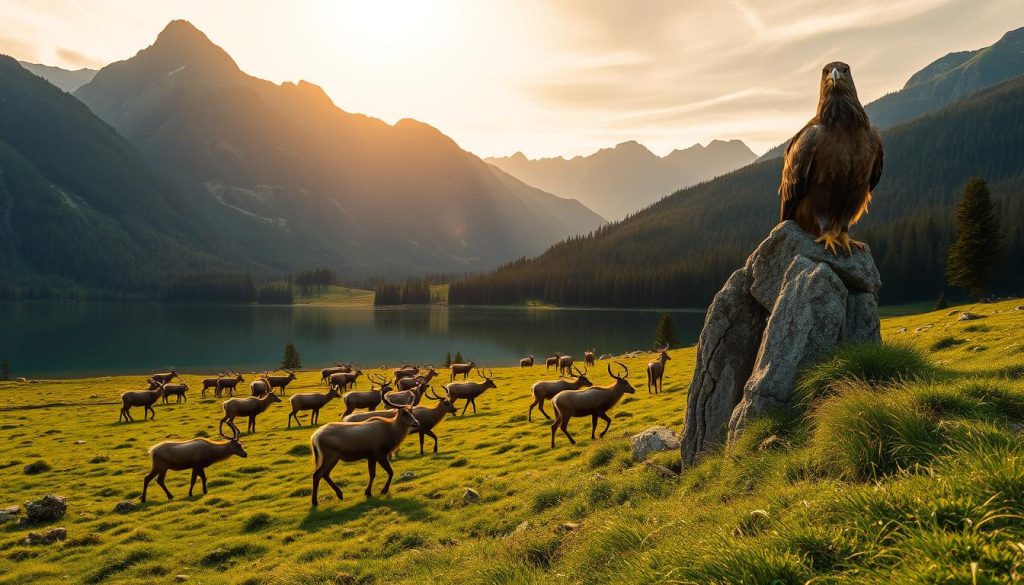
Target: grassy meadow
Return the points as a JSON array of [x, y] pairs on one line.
[[902, 463]]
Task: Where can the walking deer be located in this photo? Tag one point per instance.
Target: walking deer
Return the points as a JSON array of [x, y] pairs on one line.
[[470, 391], [197, 455], [549, 389], [656, 370], [593, 402]]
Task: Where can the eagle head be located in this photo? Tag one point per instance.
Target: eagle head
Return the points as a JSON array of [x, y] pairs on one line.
[[836, 77]]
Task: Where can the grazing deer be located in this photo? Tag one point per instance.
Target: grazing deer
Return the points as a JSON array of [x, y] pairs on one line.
[[368, 399], [593, 402], [250, 407], [470, 391], [144, 398], [564, 364], [549, 389], [526, 362], [280, 381], [211, 383], [412, 396], [310, 401], [165, 377], [552, 361], [588, 357], [228, 383], [176, 390], [656, 370], [410, 383], [463, 369], [339, 368], [344, 380], [261, 386], [373, 440], [405, 371], [197, 455], [427, 417]]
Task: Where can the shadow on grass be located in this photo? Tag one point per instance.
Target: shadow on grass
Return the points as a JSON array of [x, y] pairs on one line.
[[327, 514]]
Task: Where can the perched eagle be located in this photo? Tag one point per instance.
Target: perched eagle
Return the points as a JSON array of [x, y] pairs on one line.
[[832, 164]]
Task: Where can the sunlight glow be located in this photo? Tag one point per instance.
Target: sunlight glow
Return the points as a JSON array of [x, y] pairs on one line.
[[387, 32]]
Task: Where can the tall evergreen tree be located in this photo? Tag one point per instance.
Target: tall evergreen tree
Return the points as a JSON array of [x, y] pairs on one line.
[[458, 358], [978, 247], [291, 359], [5, 369], [666, 332], [448, 359]]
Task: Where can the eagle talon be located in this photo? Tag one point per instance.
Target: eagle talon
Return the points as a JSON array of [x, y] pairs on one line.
[[830, 242], [847, 244]]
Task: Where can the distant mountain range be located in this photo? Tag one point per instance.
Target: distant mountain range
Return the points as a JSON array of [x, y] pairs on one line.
[[679, 251], [67, 80], [617, 181], [262, 177]]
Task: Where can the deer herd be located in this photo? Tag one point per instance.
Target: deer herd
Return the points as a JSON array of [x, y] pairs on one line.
[[374, 435]]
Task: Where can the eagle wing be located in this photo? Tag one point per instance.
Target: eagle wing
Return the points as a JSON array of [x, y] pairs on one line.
[[876, 169], [799, 159]]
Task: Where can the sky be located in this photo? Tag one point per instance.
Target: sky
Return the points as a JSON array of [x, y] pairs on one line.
[[545, 77]]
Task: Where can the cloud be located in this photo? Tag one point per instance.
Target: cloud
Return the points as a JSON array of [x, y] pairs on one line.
[[74, 59]]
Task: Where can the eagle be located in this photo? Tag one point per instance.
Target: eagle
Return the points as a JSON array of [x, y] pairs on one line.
[[832, 164]]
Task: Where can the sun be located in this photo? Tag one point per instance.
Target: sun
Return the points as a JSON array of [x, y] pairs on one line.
[[387, 31]]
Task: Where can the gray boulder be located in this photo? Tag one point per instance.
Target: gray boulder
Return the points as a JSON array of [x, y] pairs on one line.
[[9, 513], [790, 303], [49, 536], [653, 440], [49, 508]]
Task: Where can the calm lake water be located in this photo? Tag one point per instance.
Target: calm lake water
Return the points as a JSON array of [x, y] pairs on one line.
[[74, 339]]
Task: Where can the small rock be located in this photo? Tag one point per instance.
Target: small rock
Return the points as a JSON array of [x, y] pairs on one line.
[[1020, 308], [51, 536], [568, 526], [180, 578], [22, 380], [79, 442], [47, 509], [771, 442], [652, 440], [406, 476], [902, 330], [9, 513], [470, 495], [969, 317], [125, 507]]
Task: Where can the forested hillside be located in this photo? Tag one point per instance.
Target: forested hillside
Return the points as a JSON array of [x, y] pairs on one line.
[[679, 251]]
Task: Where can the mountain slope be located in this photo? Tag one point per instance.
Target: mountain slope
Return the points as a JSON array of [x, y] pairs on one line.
[[65, 79], [617, 181], [679, 251], [943, 82], [327, 187], [77, 202]]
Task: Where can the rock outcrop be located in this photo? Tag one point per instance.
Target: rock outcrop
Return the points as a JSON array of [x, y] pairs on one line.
[[791, 302], [653, 440]]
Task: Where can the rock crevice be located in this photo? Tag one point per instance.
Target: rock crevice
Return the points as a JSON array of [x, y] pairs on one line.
[[789, 303]]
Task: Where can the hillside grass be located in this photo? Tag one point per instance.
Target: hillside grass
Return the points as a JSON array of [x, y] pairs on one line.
[[334, 295], [893, 468]]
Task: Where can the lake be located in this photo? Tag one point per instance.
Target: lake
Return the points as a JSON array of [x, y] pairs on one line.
[[42, 339]]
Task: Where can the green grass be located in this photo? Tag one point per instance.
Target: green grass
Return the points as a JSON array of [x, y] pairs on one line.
[[335, 295], [905, 464]]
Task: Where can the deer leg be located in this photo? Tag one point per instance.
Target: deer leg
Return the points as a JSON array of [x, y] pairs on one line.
[[152, 413], [391, 474], [371, 465], [473, 402], [192, 482], [554, 429], [540, 407], [432, 436], [565, 429], [290, 417], [145, 483], [608, 423], [330, 482], [422, 434], [464, 408], [348, 411], [251, 428], [593, 425], [160, 482]]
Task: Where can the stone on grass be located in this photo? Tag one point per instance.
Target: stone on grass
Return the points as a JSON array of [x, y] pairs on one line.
[[653, 440], [965, 316], [9, 513], [125, 507], [470, 495], [49, 508], [49, 536], [406, 476]]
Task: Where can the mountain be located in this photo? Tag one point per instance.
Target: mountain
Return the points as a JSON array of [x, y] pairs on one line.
[[78, 204], [943, 82], [324, 187], [65, 79], [679, 251], [617, 181]]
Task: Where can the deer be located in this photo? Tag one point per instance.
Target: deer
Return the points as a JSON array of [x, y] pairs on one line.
[[176, 390], [410, 383], [470, 391], [368, 399], [588, 356], [344, 380], [261, 386], [552, 361], [373, 440], [339, 368], [463, 369], [211, 383], [280, 381], [197, 455], [143, 398], [228, 383], [656, 370], [165, 377], [564, 363], [412, 396], [310, 401], [547, 390], [526, 362], [405, 371], [427, 417], [593, 402], [250, 407]]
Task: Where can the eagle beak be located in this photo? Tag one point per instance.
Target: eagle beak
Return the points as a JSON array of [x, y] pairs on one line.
[[836, 75]]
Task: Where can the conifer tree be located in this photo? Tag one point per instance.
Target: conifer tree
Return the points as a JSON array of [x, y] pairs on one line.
[[666, 332], [458, 357], [448, 359], [291, 359], [978, 246], [5, 369]]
